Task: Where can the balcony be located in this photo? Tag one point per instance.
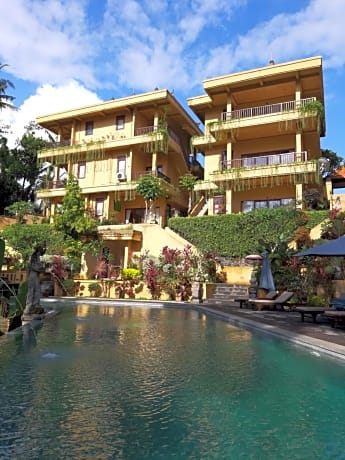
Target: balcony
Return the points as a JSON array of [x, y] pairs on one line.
[[159, 174], [277, 165], [52, 184], [93, 148], [263, 110], [264, 160], [289, 116]]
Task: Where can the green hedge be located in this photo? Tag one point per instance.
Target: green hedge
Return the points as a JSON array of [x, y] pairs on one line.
[[237, 235]]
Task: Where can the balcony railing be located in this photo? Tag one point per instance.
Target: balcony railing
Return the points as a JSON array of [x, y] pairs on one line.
[[265, 109], [139, 174], [264, 160], [144, 130], [55, 184], [151, 129]]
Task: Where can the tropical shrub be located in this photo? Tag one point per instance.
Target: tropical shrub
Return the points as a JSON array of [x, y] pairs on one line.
[[232, 235]]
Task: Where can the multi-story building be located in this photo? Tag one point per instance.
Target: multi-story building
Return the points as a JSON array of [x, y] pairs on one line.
[[262, 136], [108, 146]]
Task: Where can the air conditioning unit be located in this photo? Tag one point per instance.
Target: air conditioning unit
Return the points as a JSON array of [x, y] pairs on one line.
[[121, 176]]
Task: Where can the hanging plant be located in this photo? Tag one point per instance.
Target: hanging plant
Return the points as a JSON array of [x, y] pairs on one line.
[[158, 139], [312, 107]]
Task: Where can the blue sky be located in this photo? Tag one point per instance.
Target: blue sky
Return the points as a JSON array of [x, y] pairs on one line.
[[70, 53]]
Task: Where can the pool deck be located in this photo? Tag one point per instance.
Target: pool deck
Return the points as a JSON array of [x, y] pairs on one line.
[[319, 336]]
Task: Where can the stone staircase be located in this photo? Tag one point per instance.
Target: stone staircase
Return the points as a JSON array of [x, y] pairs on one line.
[[225, 293]]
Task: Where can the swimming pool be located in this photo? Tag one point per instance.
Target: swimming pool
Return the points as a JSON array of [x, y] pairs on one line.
[[106, 382]]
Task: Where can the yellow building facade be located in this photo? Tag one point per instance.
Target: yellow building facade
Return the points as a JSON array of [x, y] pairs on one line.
[[262, 136], [261, 148], [108, 147]]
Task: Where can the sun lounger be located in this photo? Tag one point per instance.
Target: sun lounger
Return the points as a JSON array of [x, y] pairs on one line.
[[280, 301], [312, 311], [335, 317], [244, 300]]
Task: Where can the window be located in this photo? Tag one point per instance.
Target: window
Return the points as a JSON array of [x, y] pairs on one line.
[[121, 168], [135, 216], [260, 204], [286, 201], [249, 205], [88, 128], [81, 169], [121, 164], [219, 204], [274, 203], [120, 122], [99, 207]]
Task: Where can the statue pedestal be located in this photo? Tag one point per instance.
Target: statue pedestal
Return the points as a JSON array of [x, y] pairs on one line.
[[196, 292], [26, 318]]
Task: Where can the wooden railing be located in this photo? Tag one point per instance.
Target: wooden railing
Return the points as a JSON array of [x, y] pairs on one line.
[[264, 160], [159, 174], [264, 109], [55, 184], [144, 130]]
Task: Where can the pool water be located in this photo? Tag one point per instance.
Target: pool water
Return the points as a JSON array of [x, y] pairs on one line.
[[103, 382]]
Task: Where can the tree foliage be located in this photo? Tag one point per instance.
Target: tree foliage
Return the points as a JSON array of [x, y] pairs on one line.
[[72, 218], [5, 99], [237, 235], [335, 161], [9, 187], [187, 182], [20, 175], [21, 208], [150, 188], [23, 238]]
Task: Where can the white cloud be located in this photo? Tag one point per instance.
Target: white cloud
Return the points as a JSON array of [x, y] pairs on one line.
[[48, 99], [47, 41], [140, 44], [316, 30]]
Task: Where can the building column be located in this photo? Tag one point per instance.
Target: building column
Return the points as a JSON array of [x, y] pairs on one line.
[[299, 195], [298, 146], [154, 154], [126, 255], [229, 151], [210, 206], [133, 123], [72, 140], [329, 191], [228, 102], [298, 91], [129, 163], [228, 201]]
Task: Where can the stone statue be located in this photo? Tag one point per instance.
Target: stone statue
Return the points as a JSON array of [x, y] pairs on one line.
[[33, 297]]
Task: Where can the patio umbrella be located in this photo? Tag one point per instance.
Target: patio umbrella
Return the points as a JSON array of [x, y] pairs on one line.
[[266, 277], [331, 248]]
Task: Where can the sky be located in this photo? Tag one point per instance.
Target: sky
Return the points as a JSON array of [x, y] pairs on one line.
[[63, 54]]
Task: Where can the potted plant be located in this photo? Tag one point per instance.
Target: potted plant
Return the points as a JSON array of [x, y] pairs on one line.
[[95, 289]]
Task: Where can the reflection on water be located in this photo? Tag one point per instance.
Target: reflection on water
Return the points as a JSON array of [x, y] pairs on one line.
[[140, 383]]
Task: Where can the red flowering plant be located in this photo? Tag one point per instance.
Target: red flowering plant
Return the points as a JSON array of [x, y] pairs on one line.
[[151, 276], [174, 270]]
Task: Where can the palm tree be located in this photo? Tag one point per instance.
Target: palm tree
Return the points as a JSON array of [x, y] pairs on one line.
[[6, 99]]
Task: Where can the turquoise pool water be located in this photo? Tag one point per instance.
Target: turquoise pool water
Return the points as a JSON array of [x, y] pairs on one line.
[[103, 382]]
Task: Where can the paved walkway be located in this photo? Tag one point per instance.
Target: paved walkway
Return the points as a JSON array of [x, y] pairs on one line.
[[319, 336]]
